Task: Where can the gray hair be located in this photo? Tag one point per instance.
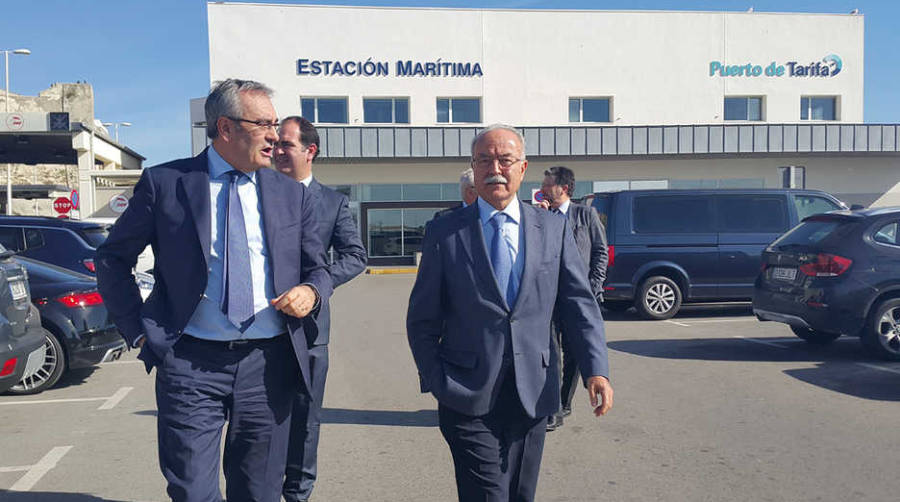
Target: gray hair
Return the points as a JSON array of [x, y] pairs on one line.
[[467, 179], [224, 101], [498, 127]]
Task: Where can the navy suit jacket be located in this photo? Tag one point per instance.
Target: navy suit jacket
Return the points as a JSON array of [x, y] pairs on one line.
[[458, 323], [170, 211], [590, 237], [337, 231]]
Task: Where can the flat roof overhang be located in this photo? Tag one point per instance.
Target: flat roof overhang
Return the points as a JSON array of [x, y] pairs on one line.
[[346, 143], [37, 148]]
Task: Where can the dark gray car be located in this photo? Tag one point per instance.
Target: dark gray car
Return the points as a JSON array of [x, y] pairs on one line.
[[22, 348]]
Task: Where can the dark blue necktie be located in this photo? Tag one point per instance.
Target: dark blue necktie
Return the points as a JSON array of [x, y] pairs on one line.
[[501, 261], [237, 291]]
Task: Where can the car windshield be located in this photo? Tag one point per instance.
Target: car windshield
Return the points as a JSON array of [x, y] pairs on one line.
[[95, 236]]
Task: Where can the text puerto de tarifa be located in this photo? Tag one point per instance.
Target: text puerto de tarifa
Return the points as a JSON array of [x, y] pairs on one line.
[[829, 66], [369, 68]]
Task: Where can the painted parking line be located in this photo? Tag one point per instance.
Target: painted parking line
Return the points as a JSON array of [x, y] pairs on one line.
[[35, 472], [879, 367], [735, 319], [678, 323], [109, 402], [115, 398], [764, 342], [137, 361]]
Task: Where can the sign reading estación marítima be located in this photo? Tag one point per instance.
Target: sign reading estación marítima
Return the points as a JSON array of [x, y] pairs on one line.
[[829, 66], [369, 68]]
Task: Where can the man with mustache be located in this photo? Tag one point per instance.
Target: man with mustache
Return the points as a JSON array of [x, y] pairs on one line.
[[238, 265], [491, 276]]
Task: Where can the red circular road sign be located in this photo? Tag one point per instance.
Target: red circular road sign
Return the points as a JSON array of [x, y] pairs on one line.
[[62, 205], [15, 121]]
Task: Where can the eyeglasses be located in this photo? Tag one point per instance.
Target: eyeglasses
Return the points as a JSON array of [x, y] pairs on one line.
[[488, 162], [265, 124]]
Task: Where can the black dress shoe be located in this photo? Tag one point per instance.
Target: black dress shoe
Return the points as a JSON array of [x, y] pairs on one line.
[[554, 422], [566, 411]]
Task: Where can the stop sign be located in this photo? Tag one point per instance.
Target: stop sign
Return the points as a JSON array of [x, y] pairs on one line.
[[62, 205]]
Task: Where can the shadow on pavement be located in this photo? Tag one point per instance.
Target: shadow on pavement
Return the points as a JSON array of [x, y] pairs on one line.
[[833, 372], [7, 496], [421, 418], [75, 377], [786, 349], [851, 380], [690, 311]]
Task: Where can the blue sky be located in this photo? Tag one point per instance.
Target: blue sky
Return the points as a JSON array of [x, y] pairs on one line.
[[146, 59]]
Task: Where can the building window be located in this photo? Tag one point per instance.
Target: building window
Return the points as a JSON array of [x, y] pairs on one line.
[[450, 110], [386, 110], [746, 108], [589, 109], [324, 110], [818, 108]]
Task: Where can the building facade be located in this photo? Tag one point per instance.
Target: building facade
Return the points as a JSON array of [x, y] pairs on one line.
[[626, 99]]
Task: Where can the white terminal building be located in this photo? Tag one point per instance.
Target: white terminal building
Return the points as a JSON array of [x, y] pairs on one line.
[[635, 99]]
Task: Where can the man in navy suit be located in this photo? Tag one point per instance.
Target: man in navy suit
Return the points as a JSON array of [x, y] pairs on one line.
[[478, 324], [238, 266], [297, 147]]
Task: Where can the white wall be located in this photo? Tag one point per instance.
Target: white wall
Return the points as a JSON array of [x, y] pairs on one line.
[[654, 65]]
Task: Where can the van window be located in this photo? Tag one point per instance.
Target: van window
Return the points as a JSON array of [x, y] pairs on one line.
[[808, 205], [11, 238], [34, 238], [655, 214], [95, 236], [752, 214], [601, 204]]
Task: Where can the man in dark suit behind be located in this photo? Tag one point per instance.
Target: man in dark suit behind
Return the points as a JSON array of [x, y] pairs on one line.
[[238, 266], [297, 147], [590, 238], [478, 324]]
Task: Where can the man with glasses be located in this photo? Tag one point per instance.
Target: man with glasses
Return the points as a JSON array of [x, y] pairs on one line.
[[491, 276], [238, 266], [297, 147]]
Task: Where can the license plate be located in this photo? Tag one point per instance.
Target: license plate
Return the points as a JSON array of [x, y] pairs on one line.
[[17, 288], [784, 274]]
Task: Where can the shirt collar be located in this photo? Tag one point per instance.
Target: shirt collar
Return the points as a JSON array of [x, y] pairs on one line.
[[564, 207], [487, 211], [307, 180], [218, 166]]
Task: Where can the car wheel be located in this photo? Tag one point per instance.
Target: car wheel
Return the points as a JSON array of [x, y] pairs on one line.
[[815, 336], [617, 305], [659, 298], [881, 335], [48, 374]]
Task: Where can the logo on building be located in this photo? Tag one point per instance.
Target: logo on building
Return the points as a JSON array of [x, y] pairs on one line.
[[15, 122], [829, 66]]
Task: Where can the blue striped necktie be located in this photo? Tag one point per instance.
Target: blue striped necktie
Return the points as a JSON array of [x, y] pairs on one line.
[[501, 261], [237, 289]]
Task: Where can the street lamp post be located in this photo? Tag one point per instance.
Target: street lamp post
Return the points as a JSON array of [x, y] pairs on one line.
[[117, 124], [23, 52]]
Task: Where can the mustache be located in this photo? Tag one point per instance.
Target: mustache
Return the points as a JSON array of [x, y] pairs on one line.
[[497, 179]]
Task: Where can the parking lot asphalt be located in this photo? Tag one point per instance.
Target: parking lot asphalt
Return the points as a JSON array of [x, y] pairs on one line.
[[711, 405]]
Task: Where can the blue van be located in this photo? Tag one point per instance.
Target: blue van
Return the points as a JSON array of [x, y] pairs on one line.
[[668, 247]]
